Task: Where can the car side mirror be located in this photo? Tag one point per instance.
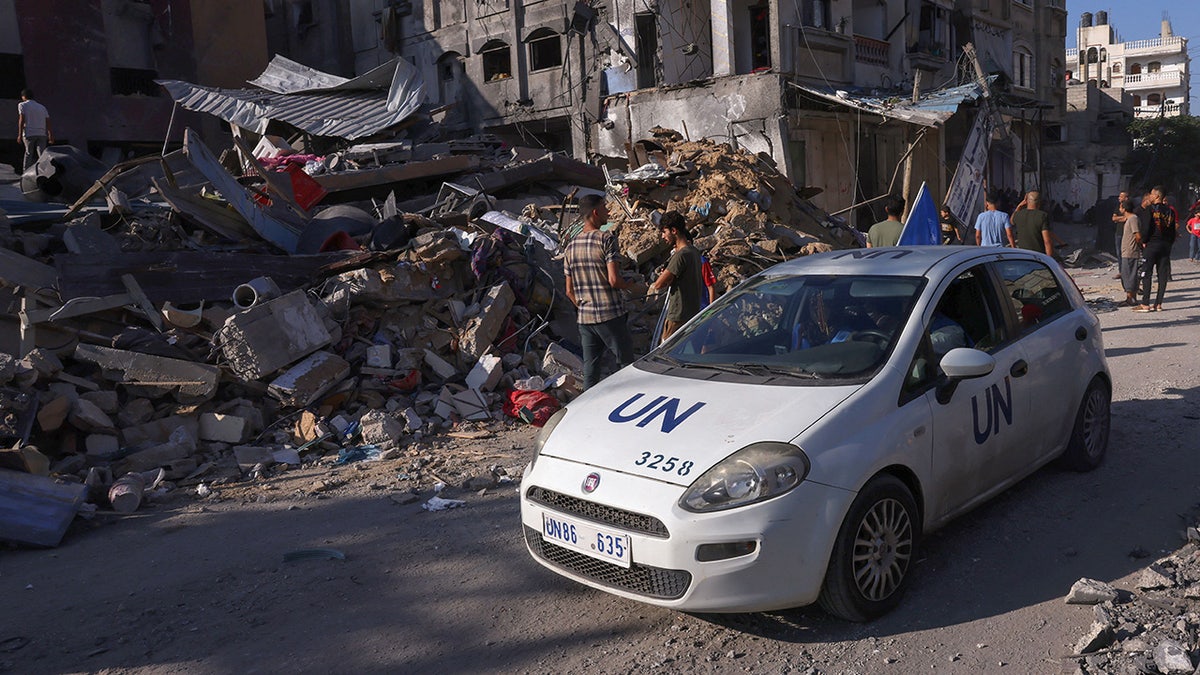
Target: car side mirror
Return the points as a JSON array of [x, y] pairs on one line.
[[962, 363]]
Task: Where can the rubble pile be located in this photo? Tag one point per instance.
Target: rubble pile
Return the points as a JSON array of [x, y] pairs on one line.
[[219, 320], [1154, 628]]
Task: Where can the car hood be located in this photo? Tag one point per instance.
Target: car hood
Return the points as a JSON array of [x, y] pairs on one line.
[[637, 422]]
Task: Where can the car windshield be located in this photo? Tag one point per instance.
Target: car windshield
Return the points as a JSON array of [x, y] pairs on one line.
[[807, 327]]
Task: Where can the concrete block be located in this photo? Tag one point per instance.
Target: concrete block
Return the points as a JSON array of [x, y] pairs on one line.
[[271, 335], [154, 457], [86, 416], [471, 405], [486, 373], [44, 362], [379, 356], [412, 421], [186, 380], [481, 331], [102, 445], [402, 283], [160, 430], [559, 360], [106, 401], [304, 382], [51, 415], [444, 406], [222, 428], [439, 365], [247, 456], [380, 428], [135, 411]]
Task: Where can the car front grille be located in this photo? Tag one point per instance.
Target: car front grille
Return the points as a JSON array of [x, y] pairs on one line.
[[598, 513], [653, 582]]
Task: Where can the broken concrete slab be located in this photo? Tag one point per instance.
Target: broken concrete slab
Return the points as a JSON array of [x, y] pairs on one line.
[[558, 360], [87, 416], [481, 331], [304, 382], [135, 411], [161, 430], [158, 456], [440, 366], [272, 335], [85, 237], [1090, 592], [380, 428], [471, 405], [222, 428], [186, 380], [486, 373], [107, 401], [52, 415], [249, 456], [103, 446], [379, 356], [36, 510], [399, 283]]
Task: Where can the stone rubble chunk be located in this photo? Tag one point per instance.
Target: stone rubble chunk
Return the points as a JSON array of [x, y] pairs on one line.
[[8, 367], [379, 356], [1090, 592], [102, 445], [87, 416], [558, 360], [380, 428], [481, 331], [486, 373], [222, 428], [249, 456], [1098, 637], [1172, 658], [305, 382], [106, 400], [1155, 576], [272, 335], [44, 362], [160, 430], [412, 421], [51, 416], [439, 365], [135, 411]]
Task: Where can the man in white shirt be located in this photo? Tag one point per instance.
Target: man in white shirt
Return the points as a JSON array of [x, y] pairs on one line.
[[33, 127]]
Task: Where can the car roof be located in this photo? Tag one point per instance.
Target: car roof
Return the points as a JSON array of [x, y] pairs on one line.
[[915, 261]]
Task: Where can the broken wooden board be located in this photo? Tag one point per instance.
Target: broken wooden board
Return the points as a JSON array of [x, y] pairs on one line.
[[399, 173], [274, 224], [185, 276], [36, 510], [103, 181], [17, 270], [206, 213]]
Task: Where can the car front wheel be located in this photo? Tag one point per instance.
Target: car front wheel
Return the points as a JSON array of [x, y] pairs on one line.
[[875, 547]]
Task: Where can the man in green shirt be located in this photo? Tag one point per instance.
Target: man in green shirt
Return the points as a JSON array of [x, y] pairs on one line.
[[1032, 225], [887, 232], [682, 274]]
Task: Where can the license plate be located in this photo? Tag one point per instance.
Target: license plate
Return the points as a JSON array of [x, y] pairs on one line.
[[587, 539]]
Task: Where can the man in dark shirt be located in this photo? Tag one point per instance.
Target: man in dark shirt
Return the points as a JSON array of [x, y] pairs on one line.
[[1156, 234], [1033, 225], [682, 275]]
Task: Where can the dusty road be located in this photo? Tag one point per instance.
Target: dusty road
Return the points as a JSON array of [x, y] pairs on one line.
[[196, 586]]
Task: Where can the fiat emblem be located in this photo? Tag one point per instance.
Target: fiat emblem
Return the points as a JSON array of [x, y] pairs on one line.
[[591, 482]]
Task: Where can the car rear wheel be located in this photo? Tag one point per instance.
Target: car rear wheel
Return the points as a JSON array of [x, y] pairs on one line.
[[1089, 437], [868, 570]]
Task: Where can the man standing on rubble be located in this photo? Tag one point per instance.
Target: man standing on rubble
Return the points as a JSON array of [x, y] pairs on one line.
[[33, 127], [682, 275], [593, 284]]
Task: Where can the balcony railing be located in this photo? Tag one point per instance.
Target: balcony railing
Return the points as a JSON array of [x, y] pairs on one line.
[[1170, 78], [1072, 54], [1164, 110], [871, 51], [1159, 44]]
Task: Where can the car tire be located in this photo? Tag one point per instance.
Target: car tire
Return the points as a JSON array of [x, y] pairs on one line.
[[874, 551], [1089, 437]]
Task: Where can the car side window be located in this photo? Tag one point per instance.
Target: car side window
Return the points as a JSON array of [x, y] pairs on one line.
[[1035, 293], [965, 315]]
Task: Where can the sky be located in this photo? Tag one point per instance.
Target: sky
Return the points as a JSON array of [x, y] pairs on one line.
[[1142, 20]]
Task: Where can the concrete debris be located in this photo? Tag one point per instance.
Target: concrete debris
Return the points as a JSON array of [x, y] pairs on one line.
[[1150, 628], [1090, 592], [320, 297]]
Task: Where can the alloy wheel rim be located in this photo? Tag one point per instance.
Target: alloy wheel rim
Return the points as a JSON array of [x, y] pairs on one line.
[[882, 549], [1095, 423]]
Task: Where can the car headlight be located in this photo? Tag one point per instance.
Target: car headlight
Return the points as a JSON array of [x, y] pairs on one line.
[[544, 434], [756, 472]]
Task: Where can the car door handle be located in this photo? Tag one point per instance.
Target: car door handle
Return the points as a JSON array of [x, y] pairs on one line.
[[1081, 333], [1019, 368]]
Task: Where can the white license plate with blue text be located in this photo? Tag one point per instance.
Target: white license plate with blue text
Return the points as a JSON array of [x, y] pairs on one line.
[[587, 539]]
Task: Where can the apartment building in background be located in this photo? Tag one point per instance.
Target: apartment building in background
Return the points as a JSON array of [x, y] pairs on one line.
[[1156, 72]]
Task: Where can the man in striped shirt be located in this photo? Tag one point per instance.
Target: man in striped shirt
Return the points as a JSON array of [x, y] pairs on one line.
[[594, 285]]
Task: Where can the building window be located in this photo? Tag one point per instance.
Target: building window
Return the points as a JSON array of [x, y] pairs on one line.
[[132, 82], [449, 70], [497, 64], [1056, 70], [1137, 100], [933, 30], [1154, 67], [1154, 99], [1023, 68], [1116, 68], [1103, 55], [760, 37], [645, 27], [545, 49], [1093, 56], [815, 13], [12, 75], [1135, 69]]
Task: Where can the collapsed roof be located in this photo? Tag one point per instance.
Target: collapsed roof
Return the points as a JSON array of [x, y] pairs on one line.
[[310, 100]]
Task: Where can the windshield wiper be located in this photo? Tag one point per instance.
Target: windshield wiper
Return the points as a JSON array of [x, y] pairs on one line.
[[761, 369], [670, 361]]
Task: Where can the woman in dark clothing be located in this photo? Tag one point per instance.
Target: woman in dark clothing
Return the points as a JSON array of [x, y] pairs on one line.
[[1156, 234]]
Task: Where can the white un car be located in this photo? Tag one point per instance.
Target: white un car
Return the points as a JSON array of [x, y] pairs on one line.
[[793, 442]]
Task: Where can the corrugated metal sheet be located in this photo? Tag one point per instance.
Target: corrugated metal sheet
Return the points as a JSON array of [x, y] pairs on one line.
[[315, 102], [933, 108]]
